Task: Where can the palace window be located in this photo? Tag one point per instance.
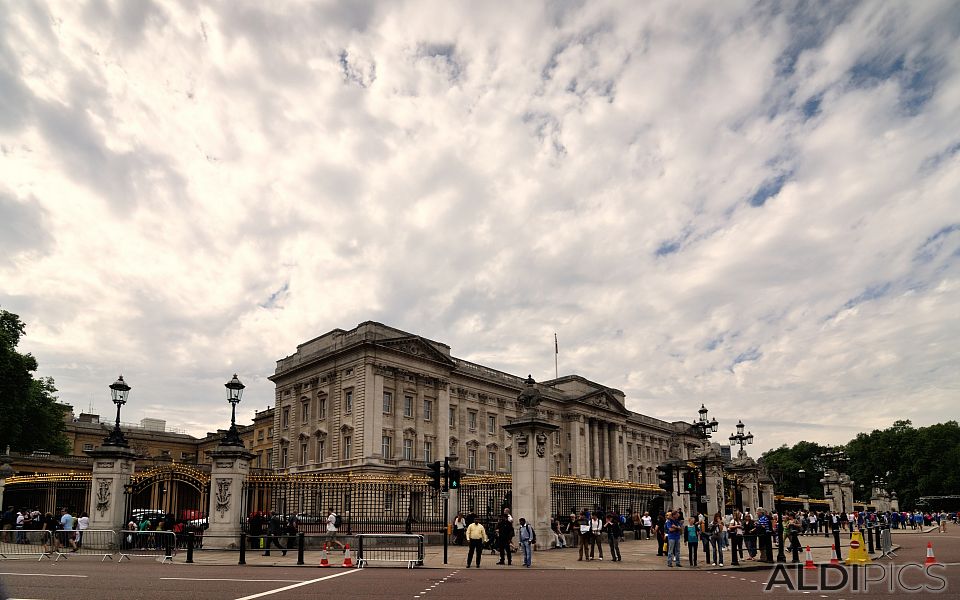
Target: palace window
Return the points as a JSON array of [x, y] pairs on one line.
[[320, 450], [428, 452], [387, 403], [472, 420], [283, 457], [304, 453], [88, 446], [453, 417], [285, 418], [471, 458], [452, 450], [558, 471], [491, 423], [348, 401], [322, 407], [260, 435], [492, 460], [509, 463], [428, 410], [407, 449], [408, 406], [304, 411], [386, 444], [347, 446]]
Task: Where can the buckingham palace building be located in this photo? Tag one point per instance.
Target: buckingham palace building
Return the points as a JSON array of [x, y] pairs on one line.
[[377, 400]]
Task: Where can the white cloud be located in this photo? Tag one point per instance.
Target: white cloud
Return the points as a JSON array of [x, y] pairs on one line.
[[745, 206]]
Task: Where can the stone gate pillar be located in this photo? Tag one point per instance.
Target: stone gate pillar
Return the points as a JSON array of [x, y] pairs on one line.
[[531, 471], [231, 465], [113, 466]]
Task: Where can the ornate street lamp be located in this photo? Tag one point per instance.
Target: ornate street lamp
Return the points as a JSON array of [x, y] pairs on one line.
[[704, 425], [119, 390], [741, 439], [234, 392]]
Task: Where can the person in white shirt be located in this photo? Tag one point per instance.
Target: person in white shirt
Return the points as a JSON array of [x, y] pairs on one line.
[[332, 529], [83, 523], [647, 524], [596, 525]]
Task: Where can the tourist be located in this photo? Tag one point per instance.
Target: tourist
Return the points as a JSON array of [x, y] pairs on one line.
[[691, 533], [647, 521], [583, 529], [735, 531], [66, 526], [274, 529], [715, 530], [558, 539], [83, 523], [527, 538], [334, 523], [614, 531], [476, 538], [459, 529], [596, 542], [673, 531], [505, 537]]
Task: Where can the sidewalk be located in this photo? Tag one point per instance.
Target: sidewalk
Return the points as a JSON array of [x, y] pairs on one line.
[[637, 556]]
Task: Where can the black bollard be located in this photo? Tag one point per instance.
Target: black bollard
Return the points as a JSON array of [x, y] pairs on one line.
[[878, 543], [869, 539], [300, 548], [243, 549], [780, 555], [836, 543], [190, 548]]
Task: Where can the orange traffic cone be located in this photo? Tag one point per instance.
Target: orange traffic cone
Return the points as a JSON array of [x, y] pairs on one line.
[[931, 560], [347, 559], [324, 560], [833, 555], [808, 563]]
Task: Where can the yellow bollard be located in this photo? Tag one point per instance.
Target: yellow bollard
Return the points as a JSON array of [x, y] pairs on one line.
[[858, 554]]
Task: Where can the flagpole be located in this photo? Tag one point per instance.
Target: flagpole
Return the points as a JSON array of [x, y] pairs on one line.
[[556, 356]]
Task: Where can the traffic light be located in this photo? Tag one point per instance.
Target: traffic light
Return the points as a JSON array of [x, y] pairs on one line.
[[453, 479], [435, 475], [665, 473], [690, 482]]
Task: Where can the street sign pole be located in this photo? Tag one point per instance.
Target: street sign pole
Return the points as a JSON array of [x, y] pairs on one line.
[[446, 503]]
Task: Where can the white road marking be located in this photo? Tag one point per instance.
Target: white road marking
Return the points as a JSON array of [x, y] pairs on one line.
[[213, 579], [46, 575], [296, 585]]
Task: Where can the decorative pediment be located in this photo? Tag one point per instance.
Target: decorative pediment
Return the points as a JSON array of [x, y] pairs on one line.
[[492, 446], [415, 345], [410, 431], [473, 444], [453, 440], [346, 429], [604, 399], [304, 435], [320, 434]]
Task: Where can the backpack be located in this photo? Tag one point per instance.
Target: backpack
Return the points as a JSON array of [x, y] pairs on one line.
[[337, 521]]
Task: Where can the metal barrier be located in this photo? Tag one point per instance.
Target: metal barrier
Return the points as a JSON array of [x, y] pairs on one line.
[[399, 548], [886, 542], [147, 543], [88, 542], [29, 542]]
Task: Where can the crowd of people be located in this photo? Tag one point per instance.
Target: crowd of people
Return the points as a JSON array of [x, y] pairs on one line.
[[66, 530], [738, 536]]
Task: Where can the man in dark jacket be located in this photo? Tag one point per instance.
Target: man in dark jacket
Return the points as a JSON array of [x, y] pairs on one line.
[[274, 529], [504, 538]]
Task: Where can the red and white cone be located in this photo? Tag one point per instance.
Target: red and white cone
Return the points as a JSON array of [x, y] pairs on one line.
[[833, 555], [808, 563], [324, 560], [347, 558], [931, 560]]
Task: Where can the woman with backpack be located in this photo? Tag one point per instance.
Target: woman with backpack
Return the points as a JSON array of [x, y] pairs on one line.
[[691, 534]]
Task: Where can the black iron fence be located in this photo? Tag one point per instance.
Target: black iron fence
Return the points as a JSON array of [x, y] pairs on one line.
[[365, 503], [49, 493], [574, 494]]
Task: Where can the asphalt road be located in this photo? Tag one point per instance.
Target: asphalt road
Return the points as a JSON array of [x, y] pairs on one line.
[[86, 578]]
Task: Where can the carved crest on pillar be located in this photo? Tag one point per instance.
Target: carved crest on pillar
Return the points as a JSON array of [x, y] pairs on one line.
[[223, 495], [103, 496], [523, 445], [541, 445]]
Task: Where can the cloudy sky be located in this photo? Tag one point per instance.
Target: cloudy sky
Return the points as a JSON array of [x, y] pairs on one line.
[[748, 205]]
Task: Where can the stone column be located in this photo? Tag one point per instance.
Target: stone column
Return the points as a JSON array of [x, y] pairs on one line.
[[715, 491], [112, 468], [595, 448], [531, 472], [231, 465]]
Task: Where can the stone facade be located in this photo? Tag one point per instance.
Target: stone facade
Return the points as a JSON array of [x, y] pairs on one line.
[[377, 399]]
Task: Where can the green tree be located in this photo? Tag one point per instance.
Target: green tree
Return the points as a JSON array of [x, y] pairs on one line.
[[32, 419]]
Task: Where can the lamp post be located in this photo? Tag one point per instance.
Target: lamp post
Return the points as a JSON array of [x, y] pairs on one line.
[[836, 459], [704, 427], [119, 390], [234, 392], [741, 439]]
